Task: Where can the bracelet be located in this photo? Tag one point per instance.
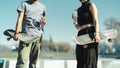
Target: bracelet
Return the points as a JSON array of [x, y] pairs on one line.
[[96, 32], [16, 33], [43, 19]]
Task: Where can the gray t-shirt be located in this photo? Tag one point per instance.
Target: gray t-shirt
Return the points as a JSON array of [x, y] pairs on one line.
[[33, 12]]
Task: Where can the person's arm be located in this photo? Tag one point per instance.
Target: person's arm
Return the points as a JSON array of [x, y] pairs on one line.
[[18, 25], [74, 17], [95, 16], [94, 12]]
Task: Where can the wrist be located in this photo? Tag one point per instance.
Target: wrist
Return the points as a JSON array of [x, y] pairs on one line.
[[96, 33], [43, 18], [16, 33]]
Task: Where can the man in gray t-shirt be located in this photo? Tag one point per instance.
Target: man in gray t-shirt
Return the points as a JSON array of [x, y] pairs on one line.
[[32, 19]]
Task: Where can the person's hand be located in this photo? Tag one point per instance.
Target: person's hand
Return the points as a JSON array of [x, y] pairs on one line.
[[74, 17], [85, 46], [43, 21], [97, 38], [77, 26], [16, 37]]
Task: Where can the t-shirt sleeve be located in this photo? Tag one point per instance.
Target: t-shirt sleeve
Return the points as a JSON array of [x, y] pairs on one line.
[[21, 7]]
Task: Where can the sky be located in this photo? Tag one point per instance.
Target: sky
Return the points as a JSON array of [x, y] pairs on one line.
[[58, 14]]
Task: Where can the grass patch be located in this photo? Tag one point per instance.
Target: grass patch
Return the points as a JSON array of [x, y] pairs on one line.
[[49, 55]]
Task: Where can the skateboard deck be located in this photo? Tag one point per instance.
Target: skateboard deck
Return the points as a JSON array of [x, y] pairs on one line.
[[22, 36], [87, 38]]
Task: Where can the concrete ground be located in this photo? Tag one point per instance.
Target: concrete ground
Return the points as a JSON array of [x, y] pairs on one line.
[[65, 63]]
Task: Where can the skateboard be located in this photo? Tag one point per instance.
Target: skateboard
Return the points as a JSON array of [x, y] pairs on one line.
[[88, 38], [22, 36]]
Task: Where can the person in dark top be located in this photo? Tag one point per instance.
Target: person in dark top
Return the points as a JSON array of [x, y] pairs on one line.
[[86, 15]]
